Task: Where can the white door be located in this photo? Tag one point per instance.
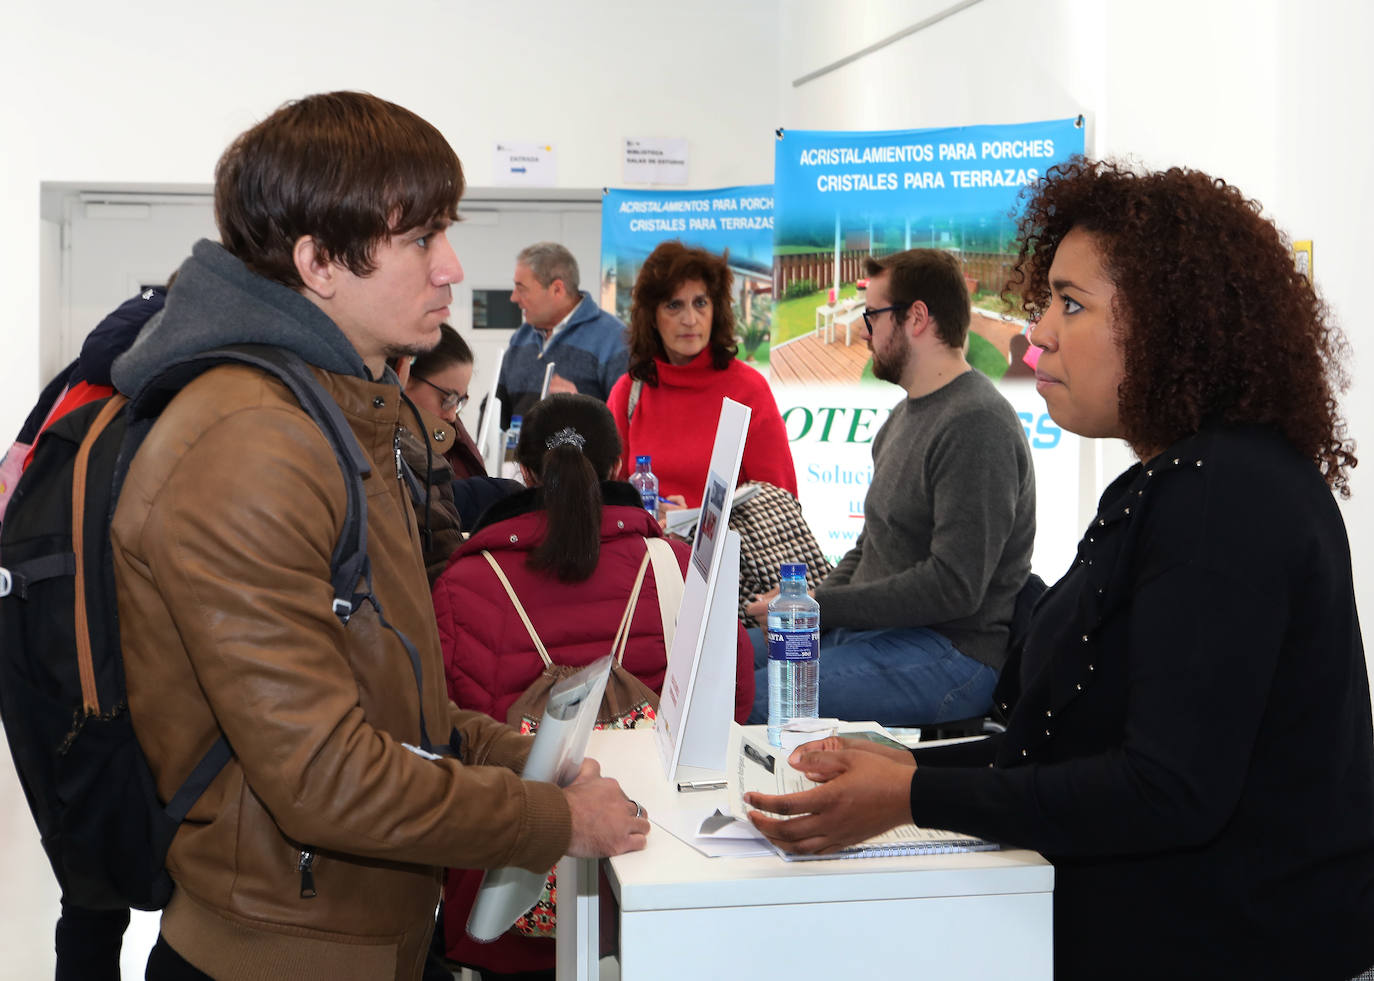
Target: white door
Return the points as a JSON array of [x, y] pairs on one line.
[[113, 244]]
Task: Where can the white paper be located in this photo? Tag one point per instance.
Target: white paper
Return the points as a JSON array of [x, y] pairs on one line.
[[559, 747], [525, 165], [655, 161], [719, 824], [681, 521], [758, 767], [685, 823], [800, 731]]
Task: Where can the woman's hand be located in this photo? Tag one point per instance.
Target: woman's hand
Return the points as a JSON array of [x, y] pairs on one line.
[[673, 502], [864, 791], [758, 608], [797, 760]]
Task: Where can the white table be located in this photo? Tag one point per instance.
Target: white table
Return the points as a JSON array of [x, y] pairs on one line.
[[968, 916], [825, 321], [848, 319]]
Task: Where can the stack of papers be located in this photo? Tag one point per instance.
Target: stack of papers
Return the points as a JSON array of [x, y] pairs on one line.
[[683, 521]]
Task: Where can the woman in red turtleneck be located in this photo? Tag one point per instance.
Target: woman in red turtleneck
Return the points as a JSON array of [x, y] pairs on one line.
[[682, 362]]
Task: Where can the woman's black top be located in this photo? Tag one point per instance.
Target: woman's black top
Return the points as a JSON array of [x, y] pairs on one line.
[[1190, 744]]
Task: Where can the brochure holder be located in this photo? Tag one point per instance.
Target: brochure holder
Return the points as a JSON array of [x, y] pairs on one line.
[[697, 701], [490, 441]]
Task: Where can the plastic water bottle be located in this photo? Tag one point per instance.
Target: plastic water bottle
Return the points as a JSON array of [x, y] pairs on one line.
[[644, 481], [794, 652], [510, 462]]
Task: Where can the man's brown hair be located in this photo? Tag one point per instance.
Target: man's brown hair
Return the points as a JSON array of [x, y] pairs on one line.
[[347, 168], [937, 280]]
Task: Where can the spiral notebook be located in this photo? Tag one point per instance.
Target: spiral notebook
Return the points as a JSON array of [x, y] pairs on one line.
[[755, 765]]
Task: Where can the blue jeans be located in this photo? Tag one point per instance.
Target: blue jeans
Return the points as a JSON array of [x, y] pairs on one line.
[[901, 676]]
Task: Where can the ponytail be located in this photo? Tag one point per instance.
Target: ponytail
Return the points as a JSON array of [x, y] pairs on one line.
[[570, 442], [572, 502]]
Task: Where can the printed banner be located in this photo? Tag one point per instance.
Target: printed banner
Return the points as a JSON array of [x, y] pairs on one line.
[[733, 220], [843, 196]]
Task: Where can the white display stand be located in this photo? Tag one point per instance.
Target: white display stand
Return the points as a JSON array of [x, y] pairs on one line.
[[490, 444], [704, 725], [687, 732]]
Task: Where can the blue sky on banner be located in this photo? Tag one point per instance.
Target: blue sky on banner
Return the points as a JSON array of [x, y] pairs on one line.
[[966, 174], [737, 218]]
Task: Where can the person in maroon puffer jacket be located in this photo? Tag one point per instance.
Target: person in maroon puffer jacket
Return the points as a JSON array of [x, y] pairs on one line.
[[571, 545]]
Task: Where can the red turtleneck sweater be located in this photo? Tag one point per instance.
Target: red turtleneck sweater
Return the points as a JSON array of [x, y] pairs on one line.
[[675, 423]]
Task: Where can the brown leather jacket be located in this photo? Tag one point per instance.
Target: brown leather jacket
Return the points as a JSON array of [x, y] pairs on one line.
[[441, 527], [222, 539]]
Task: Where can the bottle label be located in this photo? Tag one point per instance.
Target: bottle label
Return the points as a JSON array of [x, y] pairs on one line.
[[650, 500], [794, 645]]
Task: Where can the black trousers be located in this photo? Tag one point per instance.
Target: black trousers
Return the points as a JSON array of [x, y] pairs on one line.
[[88, 942], [165, 964]]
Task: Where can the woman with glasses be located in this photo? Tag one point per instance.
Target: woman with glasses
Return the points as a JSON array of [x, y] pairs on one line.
[[426, 439], [682, 363], [1189, 740], [438, 384]]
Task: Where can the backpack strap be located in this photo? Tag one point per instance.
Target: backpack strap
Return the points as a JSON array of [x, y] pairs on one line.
[[85, 665], [20, 576], [349, 563], [350, 572], [622, 633], [636, 389], [668, 581], [515, 602], [206, 770]]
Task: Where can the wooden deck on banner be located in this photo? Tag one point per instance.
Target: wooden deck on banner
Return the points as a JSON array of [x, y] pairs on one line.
[[810, 360]]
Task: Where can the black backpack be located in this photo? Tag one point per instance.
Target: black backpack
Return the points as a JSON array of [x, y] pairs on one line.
[[62, 691]]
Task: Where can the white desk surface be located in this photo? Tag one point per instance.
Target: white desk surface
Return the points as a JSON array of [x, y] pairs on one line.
[[684, 916], [670, 874]]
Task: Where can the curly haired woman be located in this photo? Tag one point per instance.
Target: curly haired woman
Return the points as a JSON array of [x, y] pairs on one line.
[[1190, 738], [682, 362]]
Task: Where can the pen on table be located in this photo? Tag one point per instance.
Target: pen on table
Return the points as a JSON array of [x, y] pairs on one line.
[[685, 785]]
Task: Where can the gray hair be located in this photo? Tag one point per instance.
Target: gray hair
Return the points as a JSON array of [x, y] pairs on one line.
[[549, 261]]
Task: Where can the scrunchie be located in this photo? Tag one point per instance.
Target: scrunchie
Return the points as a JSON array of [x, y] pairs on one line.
[[566, 437]]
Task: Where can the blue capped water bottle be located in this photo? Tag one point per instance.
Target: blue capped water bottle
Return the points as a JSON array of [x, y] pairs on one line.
[[644, 481], [510, 458], [794, 652]]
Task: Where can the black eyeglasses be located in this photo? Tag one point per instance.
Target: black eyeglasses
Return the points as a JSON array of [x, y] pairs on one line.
[[452, 400], [870, 314]]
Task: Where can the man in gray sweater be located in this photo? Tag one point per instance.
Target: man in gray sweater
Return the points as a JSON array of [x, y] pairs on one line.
[[916, 616]]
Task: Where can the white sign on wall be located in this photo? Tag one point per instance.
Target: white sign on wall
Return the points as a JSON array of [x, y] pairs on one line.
[[525, 165], [655, 161]]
